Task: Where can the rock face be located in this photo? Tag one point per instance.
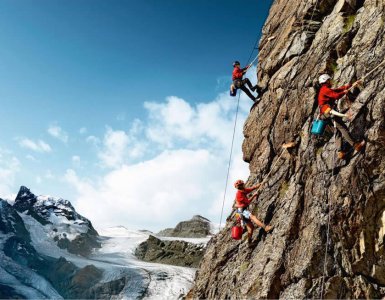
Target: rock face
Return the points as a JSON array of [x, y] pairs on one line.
[[69, 229], [177, 253], [329, 215], [197, 227]]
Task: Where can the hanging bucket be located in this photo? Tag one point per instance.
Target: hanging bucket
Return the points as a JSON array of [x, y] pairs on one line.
[[236, 232], [318, 127]]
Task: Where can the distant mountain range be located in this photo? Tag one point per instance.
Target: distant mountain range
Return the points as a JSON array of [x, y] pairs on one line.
[[48, 250]]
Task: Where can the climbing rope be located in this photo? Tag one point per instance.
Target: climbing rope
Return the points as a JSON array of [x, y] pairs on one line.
[[368, 74], [273, 166], [328, 221], [229, 164], [232, 140]]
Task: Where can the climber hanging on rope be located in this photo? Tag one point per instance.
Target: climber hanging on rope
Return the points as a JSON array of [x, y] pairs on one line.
[[240, 83], [241, 203], [327, 102]]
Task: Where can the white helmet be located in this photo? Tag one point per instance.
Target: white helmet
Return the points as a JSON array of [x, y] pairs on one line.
[[323, 78]]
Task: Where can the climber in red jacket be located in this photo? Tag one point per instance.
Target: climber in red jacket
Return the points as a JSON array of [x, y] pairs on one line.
[[327, 102], [242, 202], [240, 83]]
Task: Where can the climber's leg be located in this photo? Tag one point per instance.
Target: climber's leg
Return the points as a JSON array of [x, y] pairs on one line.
[[247, 82], [342, 132], [343, 129], [259, 223], [250, 230], [247, 92]]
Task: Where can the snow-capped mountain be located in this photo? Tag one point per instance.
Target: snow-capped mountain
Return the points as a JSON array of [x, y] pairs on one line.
[[62, 223], [48, 250]]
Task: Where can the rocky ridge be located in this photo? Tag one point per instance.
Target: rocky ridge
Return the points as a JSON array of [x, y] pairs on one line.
[[197, 227], [302, 258], [177, 253]]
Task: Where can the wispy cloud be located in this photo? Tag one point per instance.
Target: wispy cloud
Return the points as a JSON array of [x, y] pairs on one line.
[[58, 133], [31, 158], [37, 146], [93, 140], [83, 130]]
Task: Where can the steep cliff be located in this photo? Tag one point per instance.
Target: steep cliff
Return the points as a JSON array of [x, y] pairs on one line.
[[309, 186]]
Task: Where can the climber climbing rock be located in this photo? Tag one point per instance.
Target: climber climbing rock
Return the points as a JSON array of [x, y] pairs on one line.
[[327, 100], [241, 83], [241, 203]]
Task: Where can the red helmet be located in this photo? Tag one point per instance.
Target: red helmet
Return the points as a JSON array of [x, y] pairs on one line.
[[238, 183]]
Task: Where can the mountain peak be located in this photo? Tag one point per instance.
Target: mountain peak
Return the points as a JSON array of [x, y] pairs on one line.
[[24, 199]]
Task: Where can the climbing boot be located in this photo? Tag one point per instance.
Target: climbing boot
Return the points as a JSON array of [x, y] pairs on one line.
[[359, 146], [341, 154]]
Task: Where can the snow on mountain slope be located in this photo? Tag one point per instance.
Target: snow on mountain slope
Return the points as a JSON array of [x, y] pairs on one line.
[[116, 259], [165, 281]]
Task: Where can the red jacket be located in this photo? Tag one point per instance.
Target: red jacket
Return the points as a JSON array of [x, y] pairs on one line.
[[238, 72], [327, 96], [241, 198]]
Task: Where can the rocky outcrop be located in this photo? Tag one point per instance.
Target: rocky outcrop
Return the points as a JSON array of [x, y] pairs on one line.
[[70, 230], [197, 227], [177, 253], [329, 215]]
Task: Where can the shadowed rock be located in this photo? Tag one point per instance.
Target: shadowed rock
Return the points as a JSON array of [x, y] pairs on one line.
[[178, 253]]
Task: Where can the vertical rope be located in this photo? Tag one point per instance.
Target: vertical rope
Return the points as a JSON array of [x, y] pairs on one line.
[[328, 222], [232, 142], [229, 165]]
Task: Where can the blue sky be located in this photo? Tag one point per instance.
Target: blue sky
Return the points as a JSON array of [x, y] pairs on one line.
[[94, 92]]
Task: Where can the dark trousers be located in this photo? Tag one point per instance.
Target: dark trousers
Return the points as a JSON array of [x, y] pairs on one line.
[[342, 132], [241, 84]]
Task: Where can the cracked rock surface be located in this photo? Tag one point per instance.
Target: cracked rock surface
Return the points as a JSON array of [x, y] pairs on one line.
[[309, 185]]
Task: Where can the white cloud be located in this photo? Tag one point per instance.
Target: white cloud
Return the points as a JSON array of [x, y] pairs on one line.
[[9, 167], [172, 186], [83, 130], [114, 148], [37, 146], [183, 175], [58, 133]]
